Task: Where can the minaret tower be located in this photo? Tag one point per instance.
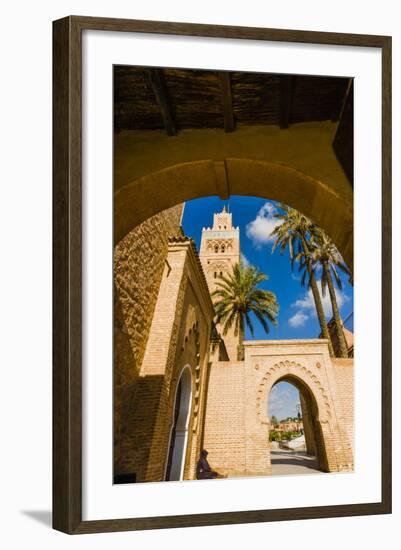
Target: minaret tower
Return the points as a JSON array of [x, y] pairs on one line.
[[219, 252]]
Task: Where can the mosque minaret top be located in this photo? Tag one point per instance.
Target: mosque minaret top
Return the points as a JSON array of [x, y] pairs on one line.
[[222, 221]]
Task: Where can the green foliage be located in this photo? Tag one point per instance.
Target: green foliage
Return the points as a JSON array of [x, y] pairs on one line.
[[322, 251], [274, 420], [292, 233], [276, 435], [296, 232], [237, 295]]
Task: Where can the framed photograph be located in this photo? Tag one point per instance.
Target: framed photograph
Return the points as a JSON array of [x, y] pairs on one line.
[[222, 275]]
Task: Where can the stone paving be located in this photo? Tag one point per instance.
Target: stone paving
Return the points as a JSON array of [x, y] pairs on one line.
[[293, 463]]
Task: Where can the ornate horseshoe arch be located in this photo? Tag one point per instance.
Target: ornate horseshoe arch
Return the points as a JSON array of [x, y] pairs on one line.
[[284, 369]]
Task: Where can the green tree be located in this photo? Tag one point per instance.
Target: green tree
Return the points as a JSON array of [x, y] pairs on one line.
[[237, 296], [323, 253], [274, 420], [294, 232]]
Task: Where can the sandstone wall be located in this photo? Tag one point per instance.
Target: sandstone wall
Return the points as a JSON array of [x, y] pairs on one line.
[[225, 433], [179, 338], [237, 426], [138, 267], [344, 375]]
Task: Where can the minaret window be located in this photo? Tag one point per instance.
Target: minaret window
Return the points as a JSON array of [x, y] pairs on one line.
[[223, 248], [216, 248]]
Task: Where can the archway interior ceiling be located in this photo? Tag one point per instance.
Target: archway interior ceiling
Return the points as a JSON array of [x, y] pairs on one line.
[[151, 194], [173, 101]]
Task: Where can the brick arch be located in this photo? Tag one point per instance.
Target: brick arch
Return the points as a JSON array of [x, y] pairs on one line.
[[157, 191], [298, 374], [318, 406]]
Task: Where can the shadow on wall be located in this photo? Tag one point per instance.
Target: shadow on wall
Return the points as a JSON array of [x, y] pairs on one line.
[[146, 430]]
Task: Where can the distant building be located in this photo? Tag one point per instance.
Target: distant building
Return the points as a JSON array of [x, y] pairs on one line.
[[289, 426]]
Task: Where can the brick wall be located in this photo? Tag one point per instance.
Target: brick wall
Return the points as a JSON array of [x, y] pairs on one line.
[[138, 268], [179, 338], [344, 375], [237, 426], [225, 433]]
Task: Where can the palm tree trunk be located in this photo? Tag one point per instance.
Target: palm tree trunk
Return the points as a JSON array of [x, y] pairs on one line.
[[336, 314], [240, 347], [318, 301]]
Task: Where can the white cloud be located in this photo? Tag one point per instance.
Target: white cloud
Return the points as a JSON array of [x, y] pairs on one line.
[[298, 320], [244, 260], [306, 306], [307, 302], [277, 397], [259, 229], [282, 401]]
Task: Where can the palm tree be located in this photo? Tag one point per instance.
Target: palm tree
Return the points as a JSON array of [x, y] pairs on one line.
[[323, 252], [294, 232], [236, 296]]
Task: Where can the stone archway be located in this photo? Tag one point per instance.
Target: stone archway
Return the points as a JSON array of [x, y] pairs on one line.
[[157, 191], [310, 414], [314, 376]]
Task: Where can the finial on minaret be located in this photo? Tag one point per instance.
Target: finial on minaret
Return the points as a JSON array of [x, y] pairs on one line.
[[224, 209]]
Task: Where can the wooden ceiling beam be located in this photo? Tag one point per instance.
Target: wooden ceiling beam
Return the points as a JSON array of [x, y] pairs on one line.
[[226, 101], [343, 143], [286, 94], [159, 87], [343, 95]]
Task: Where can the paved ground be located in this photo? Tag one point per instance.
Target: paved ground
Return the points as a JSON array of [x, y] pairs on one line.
[[292, 463]]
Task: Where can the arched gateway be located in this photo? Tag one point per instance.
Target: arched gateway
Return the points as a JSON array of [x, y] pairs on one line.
[[239, 442]]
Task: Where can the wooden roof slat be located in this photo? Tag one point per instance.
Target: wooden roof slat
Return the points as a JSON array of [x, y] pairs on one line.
[[226, 101], [193, 98], [286, 96], [159, 87]]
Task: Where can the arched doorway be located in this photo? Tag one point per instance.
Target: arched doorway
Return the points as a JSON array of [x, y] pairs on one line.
[[292, 452], [179, 429]]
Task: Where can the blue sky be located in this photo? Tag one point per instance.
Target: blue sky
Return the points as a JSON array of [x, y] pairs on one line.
[[254, 216], [283, 400], [297, 317]]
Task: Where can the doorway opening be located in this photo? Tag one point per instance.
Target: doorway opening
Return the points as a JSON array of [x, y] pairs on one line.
[[179, 429], [295, 437]]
